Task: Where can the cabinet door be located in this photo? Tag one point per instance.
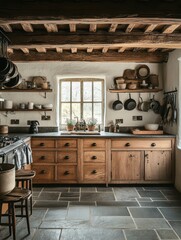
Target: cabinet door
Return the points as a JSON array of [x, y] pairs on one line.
[[158, 165], [126, 165]]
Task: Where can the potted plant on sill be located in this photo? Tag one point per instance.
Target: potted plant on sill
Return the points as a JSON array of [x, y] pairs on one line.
[[70, 124], [91, 124]]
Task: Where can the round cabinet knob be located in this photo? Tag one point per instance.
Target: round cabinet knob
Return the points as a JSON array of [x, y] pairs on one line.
[[42, 144], [66, 173], [66, 157], [94, 157], [153, 144], [67, 144], [42, 157], [127, 145], [94, 144], [94, 172], [43, 171]]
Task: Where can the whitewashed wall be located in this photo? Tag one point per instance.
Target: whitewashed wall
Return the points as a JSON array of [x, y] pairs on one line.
[[55, 70], [172, 81]]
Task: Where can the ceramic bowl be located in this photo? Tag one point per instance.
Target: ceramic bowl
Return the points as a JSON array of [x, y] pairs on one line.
[[151, 126], [47, 106]]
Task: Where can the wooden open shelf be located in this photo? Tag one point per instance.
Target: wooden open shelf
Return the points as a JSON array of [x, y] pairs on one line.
[[26, 90], [140, 90]]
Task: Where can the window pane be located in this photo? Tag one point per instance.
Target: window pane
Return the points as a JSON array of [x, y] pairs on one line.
[[98, 112], [65, 112], [97, 91], [87, 91], [87, 110], [76, 91], [65, 92], [76, 110]]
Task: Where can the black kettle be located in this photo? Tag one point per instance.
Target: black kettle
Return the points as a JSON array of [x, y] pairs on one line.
[[33, 126]]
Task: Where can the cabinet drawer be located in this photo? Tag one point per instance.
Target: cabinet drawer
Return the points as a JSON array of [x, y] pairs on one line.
[[141, 144], [42, 143], [94, 156], [94, 143], [66, 172], [94, 173], [66, 157], [67, 143], [44, 173], [43, 156]]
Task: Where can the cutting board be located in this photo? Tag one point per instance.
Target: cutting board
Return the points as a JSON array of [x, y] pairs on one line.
[[138, 131]]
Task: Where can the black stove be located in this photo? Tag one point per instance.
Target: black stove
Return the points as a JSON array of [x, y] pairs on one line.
[[8, 140]]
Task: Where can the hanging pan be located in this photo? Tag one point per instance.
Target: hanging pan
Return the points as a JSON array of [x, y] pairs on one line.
[[117, 105], [130, 103]]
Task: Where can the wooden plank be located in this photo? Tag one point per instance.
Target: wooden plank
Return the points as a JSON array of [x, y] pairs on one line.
[[152, 49], [105, 49], [134, 40], [94, 56], [113, 27], [50, 27], [89, 50], [130, 28], [25, 50], [150, 28], [27, 27], [170, 29], [93, 28], [72, 27], [73, 50], [41, 49], [59, 50], [6, 27], [120, 50], [10, 51]]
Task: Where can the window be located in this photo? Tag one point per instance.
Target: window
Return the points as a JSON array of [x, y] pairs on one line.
[[82, 98]]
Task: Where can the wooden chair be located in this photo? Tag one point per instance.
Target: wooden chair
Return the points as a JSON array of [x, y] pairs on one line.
[[24, 179], [18, 195]]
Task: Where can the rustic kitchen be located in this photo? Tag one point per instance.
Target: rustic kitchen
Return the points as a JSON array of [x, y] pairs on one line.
[[90, 130]]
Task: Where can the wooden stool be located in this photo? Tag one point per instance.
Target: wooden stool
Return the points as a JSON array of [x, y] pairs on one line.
[[24, 180], [18, 195]]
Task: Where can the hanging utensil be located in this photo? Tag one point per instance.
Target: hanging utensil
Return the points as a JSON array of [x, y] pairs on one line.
[[174, 108], [117, 105], [130, 103]]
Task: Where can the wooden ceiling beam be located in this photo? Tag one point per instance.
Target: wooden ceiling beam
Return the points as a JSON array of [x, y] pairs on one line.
[[152, 49], [72, 27], [93, 28], [25, 50], [89, 50], [95, 56], [59, 50], [6, 27], [150, 28], [105, 50], [73, 50], [113, 27], [41, 49], [27, 27], [51, 27], [130, 28], [117, 40], [170, 29], [120, 50]]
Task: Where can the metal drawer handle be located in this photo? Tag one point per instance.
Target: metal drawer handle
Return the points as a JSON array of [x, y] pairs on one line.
[[42, 144], [43, 171], [67, 144], [66, 157], [94, 172], [94, 144], [42, 157], [94, 157], [127, 145], [153, 144], [66, 173]]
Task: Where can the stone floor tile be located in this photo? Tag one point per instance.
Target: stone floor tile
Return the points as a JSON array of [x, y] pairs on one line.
[[55, 189], [48, 196], [125, 193], [118, 203], [82, 203], [109, 211], [69, 223], [50, 204], [74, 189], [176, 225], [144, 199], [145, 213], [166, 234], [112, 222], [88, 189], [160, 188], [78, 212], [47, 234], [161, 204], [38, 213], [173, 213], [151, 194], [97, 196], [70, 194], [141, 235], [56, 214], [37, 189], [69, 199], [92, 234], [151, 223], [104, 189]]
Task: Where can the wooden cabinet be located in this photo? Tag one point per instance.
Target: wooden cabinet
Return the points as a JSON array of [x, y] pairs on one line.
[[148, 160], [94, 163], [103, 160]]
